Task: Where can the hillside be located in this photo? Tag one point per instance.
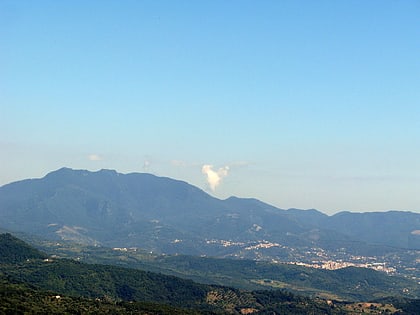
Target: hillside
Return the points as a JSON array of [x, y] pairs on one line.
[[81, 284], [170, 216], [23, 299], [350, 284], [77, 279], [14, 250]]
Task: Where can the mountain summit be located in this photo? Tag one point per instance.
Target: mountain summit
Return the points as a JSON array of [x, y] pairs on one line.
[[167, 215]]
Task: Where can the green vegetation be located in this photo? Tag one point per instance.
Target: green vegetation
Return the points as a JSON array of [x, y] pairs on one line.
[[22, 299], [33, 284], [347, 284], [77, 279], [15, 250], [350, 284]]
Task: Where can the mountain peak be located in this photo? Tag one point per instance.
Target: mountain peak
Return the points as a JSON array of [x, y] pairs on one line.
[[68, 170]]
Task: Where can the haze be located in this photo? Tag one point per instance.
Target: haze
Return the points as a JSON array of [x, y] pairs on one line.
[[305, 104]]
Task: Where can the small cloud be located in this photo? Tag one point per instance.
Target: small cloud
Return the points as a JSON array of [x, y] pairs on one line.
[[146, 165], [214, 177], [94, 157]]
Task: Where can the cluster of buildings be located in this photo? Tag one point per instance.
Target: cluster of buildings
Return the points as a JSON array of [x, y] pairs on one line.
[[333, 265], [311, 257]]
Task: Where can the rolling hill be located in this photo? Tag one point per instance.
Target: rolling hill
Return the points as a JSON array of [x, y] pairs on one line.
[[35, 284], [29, 282]]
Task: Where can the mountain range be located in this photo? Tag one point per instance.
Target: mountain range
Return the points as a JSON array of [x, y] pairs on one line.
[[171, 216]]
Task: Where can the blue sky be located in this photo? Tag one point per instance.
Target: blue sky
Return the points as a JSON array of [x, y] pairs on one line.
[[306, 104]]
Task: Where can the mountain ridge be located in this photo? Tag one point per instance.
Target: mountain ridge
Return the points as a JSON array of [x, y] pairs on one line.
[[113, 172], [170, 215]]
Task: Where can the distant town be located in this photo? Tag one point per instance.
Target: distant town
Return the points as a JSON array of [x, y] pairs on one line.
[[402, 262]]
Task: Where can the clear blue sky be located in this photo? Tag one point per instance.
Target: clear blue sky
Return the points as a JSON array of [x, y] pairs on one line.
[[306, 104]]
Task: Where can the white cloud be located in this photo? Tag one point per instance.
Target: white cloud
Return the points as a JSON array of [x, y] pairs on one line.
[[94, 157], [214, 177], [146, 165]]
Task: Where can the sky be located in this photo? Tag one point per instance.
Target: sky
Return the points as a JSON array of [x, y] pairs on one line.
[[301, 104]]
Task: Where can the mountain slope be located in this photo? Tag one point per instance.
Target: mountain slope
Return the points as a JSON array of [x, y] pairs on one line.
[[393, 228], [167, 215], [134, 209], [14, 250]]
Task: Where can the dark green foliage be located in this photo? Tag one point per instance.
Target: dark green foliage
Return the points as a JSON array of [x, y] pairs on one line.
[[94, 281], [348, 284], [281, 302], [407, 306], [63, 286], [21, 299], [77, 279], [13, 250], [102, 289]]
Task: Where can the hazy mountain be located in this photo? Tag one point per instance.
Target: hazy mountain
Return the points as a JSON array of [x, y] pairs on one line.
[[168, 215], [394, 228]]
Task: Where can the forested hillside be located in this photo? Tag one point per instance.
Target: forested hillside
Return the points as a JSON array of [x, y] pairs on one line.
[[39, 284]]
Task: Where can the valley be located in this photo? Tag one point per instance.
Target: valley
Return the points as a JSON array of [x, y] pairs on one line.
[[398, 262], [345, 283], [32, 281], [395, 261]]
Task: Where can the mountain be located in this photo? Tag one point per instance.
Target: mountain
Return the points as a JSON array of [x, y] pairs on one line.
[[392, 228], [170, 216]]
